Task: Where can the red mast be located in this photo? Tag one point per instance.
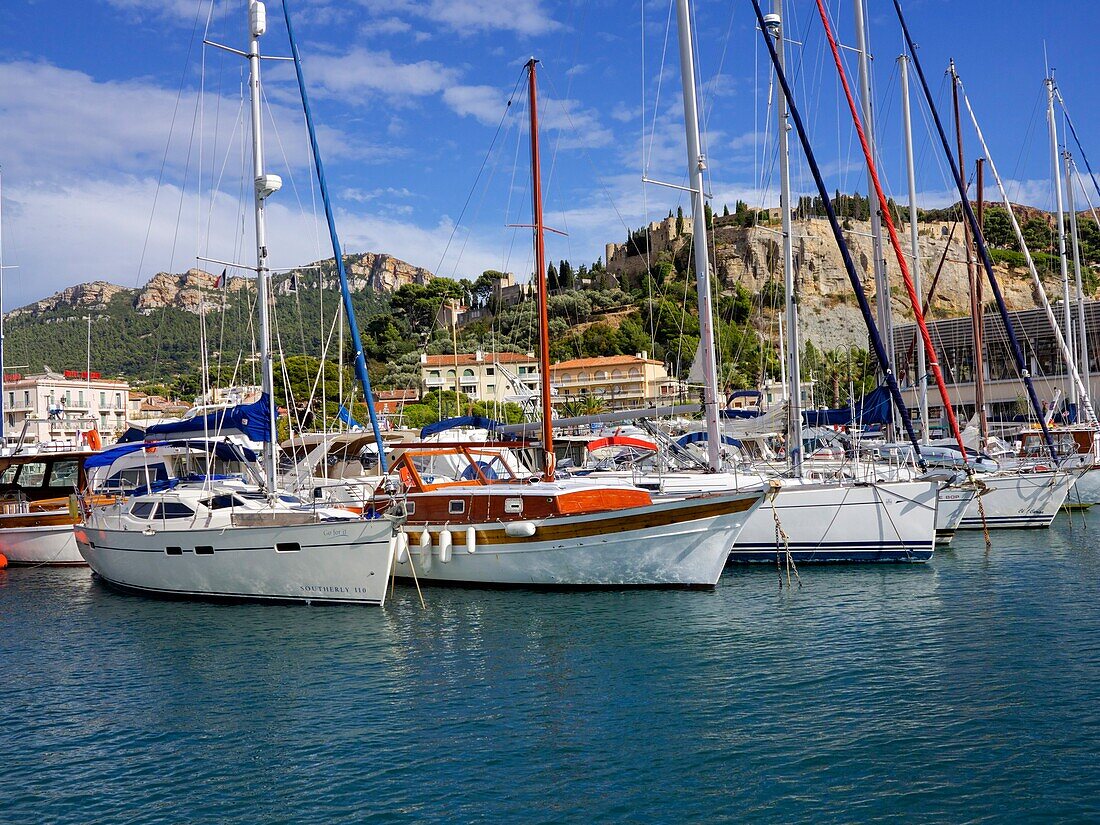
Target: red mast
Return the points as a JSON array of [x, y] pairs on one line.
[[540, 279]]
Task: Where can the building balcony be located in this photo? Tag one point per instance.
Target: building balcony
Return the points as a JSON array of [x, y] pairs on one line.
[[434, 381]]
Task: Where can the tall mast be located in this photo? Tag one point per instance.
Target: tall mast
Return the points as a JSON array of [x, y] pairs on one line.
[[774, 22], [914, 240], [977, 319], [540, 277], [347, 306], [882, 281], [265, 185], [1082, 332], [1037, 283], [1060, 228], [3, 437], [696, 163]]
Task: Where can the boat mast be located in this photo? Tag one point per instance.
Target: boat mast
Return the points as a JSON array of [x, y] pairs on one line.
[[774, 23], [347, 305], [914, 240], [882, 281], [1056, 164], [696, 163], [540, 278], [977, 312], [265, 185], [1082, 333], [3, 435], [1037, 283]]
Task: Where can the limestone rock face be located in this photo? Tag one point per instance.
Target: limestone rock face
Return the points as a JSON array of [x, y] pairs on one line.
[[192, 291], [384, 273], [92, 296], [752, 256]]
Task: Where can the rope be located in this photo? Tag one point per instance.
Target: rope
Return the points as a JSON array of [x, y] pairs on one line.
[[781, 536]]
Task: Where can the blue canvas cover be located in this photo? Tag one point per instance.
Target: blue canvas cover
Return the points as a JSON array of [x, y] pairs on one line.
[[250, 420], [873, 408]]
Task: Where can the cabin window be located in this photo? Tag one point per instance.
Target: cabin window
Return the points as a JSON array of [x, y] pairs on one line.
[[410, 507], [456, 507], [513, 505], [142, 509], [174, 509], [220, 502], [204, 550], [288, 547], [9, 474], [33, 474], [174, 551], [64, 473]]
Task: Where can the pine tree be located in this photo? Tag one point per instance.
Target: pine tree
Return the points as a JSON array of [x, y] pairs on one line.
[[565, 275], [551, 278], [679, 220], [708, 215], [725, 210]]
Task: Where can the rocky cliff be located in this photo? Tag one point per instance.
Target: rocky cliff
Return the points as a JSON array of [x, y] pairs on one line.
[[751, 257], [196, 290]]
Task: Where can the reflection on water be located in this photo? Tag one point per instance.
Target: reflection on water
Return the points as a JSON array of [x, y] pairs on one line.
[[962, 689]]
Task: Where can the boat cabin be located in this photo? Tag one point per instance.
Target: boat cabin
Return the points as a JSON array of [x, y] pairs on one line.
[[33, 480]]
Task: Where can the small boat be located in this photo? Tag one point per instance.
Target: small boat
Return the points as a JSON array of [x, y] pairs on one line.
[[36, 515]]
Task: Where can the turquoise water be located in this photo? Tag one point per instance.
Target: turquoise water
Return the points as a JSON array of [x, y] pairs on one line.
[[962, 690]]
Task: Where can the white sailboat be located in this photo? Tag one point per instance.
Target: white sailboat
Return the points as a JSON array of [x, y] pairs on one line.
[[189, 530]]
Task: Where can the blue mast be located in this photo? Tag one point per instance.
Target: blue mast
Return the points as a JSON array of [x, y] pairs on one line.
[[979, 241], [857, 286], [360, 360]]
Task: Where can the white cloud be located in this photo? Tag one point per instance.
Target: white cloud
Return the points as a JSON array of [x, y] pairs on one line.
[[467, 17], [361, 71]]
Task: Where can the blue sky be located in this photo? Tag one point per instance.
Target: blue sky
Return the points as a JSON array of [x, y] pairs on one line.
[[96, 96]]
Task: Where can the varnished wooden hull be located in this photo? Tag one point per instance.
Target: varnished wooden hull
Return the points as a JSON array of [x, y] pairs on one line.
[[669, 544]]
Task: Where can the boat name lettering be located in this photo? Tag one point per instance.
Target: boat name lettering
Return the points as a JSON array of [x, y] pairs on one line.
[[336, 532]]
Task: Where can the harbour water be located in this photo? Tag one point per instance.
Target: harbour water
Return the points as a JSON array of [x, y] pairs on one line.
[[963, 690]]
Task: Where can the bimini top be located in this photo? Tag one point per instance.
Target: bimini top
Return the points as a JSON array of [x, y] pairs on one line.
[[253, 421], [478, 421], [221, 449]]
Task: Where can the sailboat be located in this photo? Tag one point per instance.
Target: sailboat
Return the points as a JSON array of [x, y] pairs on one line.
[[199, 520], [470, 518]]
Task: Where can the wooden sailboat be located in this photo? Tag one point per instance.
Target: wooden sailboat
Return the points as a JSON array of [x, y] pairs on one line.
[[469, 518]]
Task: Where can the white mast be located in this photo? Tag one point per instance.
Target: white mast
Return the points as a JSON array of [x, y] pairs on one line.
[[1061, 226], [922, 369], [265, 185], [882, 282], [696, 163], [3, 434], [774, 22], [1082, 332], [1060, 339]]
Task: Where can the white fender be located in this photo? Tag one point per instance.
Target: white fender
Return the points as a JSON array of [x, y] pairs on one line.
[[471, 539], [519, 529], [426, 550], [402, 547], [445, 546]]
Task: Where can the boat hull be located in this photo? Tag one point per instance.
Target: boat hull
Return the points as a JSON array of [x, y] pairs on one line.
[[1019, 500], [1087, 488], [887, 522], [336, 562], [43, 544], [681, 543], [951, 510]]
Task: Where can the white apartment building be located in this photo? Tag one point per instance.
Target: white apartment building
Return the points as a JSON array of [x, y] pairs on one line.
[[58, 406], [620, 381], [498, 377]]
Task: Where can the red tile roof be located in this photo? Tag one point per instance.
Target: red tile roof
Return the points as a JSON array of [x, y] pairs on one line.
[[605, 361]]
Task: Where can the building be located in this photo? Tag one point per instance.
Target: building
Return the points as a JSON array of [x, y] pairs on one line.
[[499, 377], [620, 381], [1005, 395], [390, 402], [147, 409], [58, 406]]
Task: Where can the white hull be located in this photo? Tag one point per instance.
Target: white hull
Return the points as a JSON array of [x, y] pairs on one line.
[[602, 551], [951, 510], [893, 521], [344, 561], [54, 545], [1019, 499], [1087, 488]]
